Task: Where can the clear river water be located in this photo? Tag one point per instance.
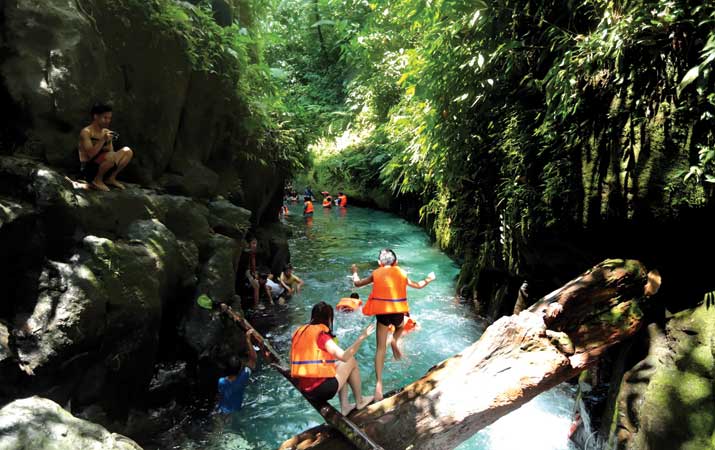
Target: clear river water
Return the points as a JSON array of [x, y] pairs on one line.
[[322, 250]]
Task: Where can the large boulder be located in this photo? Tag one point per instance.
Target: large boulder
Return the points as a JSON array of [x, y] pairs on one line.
[[40, 424], [667, 401]]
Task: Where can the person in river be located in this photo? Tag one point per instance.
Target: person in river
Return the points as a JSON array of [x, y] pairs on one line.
[[96, 150], [307, 207], [349, 304], [388, 303], [342, 200], [232, 386], [247, 272], [274, 291], [319, 367], [290, 281], [327, 199]]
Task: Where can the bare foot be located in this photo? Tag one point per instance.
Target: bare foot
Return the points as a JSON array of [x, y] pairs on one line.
[[347, 409], [378, 391], [365, 401], [396, 351], [116, 183], [100, 186]]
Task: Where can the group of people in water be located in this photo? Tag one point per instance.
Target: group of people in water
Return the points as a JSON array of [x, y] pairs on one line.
[[319, 366], [322, 368]]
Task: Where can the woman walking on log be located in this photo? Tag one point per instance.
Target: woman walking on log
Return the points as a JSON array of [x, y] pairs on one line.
[[314, 357], [388, 303]]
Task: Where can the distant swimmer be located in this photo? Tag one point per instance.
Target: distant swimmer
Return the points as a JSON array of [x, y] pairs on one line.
[[349, 304], [342, 200], [307, 206], [327, 200], [388, 303]]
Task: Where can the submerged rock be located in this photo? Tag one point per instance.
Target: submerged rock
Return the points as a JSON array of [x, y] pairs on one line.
[[40, 424]]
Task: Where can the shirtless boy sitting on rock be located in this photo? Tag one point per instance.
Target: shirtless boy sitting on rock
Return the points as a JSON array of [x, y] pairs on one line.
[[96, 152]]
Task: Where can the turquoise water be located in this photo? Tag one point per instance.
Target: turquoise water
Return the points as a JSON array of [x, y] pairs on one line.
[[321, 252]]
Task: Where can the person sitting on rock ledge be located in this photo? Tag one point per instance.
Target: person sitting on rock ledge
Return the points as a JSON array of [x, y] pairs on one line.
[[96, 151]]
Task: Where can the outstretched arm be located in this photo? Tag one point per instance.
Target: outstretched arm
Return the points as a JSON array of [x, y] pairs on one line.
[[419, 285], [357, 282], [345, 355], [252, 357]]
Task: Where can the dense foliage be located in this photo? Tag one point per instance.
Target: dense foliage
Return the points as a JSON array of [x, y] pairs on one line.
[[516, 116], [234, 52]]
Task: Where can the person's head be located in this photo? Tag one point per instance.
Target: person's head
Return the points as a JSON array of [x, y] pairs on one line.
[[288, 269], [234, 366], [340, 193], [252, 243], [355, 295], [306, 198], [322, 313], [101, 114], [387, 257], [262, 277]]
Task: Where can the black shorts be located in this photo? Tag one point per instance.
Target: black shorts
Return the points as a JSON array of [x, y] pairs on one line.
[[325, 390], [391, 319]]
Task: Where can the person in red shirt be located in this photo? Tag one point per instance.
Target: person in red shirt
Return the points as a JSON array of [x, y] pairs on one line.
[[320, 367]]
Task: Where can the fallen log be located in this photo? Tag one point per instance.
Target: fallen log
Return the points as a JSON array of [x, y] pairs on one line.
[[517, 358]]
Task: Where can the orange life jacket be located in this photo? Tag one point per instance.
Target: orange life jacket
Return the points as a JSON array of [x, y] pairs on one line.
[[308, 207], [327, 203], [343, 200], [389, 292], [306, 359], [407, 327], [348, 304]]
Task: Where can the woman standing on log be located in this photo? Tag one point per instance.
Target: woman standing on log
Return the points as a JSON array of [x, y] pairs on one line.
[[313, 358], [388, 303]]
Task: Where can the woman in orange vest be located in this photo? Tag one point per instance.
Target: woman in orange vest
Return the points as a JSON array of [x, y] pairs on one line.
[[314, 357], [388, 303], [343, 200], [307, 207]]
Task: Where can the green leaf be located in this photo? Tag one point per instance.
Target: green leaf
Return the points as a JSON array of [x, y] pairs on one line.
[[689, 77]]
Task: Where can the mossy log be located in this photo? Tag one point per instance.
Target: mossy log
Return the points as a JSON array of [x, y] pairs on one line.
[[517, 358]]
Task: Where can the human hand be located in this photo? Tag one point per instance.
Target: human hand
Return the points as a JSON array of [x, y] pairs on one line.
[[430, 277], [368, 330], [106, 134], [224, 307]]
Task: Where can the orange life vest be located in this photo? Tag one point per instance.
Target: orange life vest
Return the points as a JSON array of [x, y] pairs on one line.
[[407, 327], [343, 200], [308, 207], [389, 292], [348, 304], [327, 203], [306, 359]]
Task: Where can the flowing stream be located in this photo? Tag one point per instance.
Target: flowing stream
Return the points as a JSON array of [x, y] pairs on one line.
[[322, 250]]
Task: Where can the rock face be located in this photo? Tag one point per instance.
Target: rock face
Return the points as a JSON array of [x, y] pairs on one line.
[[104, 286], [186, 126], [666, 401], [37, 423]]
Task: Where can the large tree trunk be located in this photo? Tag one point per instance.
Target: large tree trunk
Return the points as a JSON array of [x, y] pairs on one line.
[[517, 358]]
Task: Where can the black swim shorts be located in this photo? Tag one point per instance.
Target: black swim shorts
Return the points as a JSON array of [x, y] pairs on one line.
[[325, 390], [391, 319]]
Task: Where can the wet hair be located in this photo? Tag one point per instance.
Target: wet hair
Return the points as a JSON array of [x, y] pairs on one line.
[[306, 198], [234, 366], [100, 108], [322, 313], [354, 295], [387, 257], [287, 267]]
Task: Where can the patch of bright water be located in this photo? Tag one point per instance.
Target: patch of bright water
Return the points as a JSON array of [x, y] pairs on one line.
[[322, 251]]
